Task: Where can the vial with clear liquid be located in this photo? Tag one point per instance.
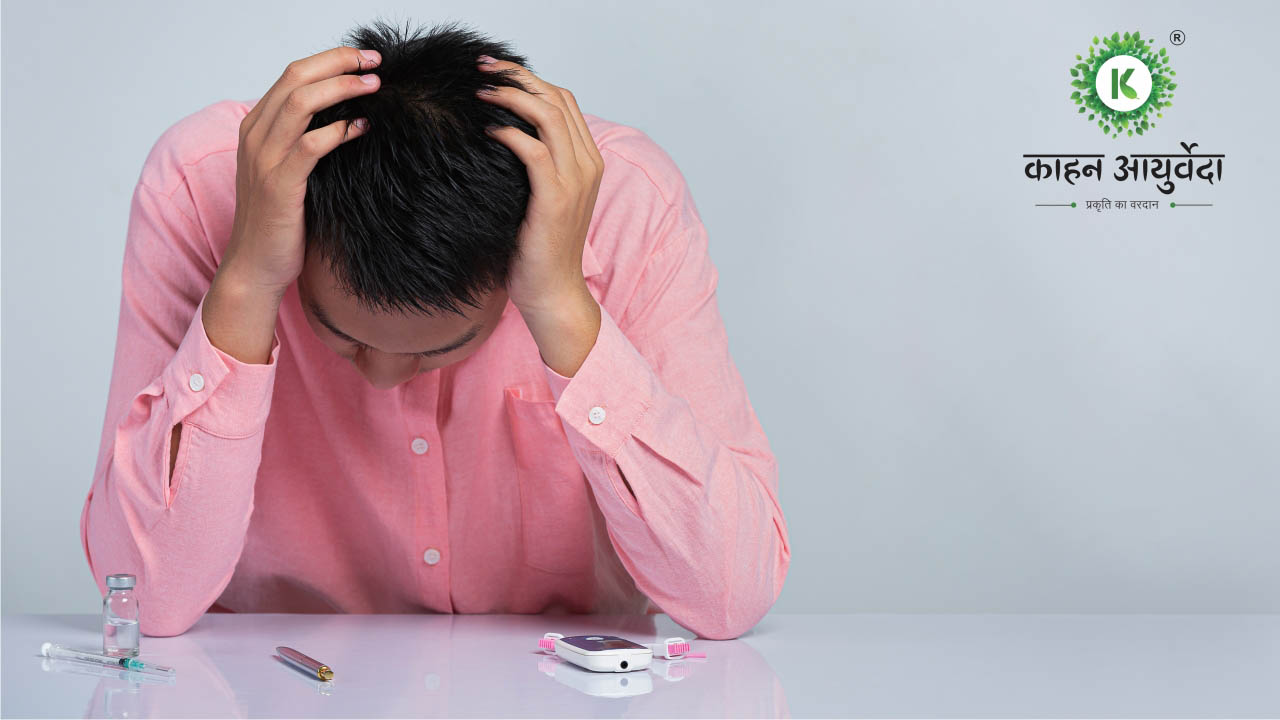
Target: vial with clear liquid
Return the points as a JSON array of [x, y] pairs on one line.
[[120, 617]]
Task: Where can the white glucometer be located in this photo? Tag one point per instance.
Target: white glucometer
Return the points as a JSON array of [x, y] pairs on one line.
[[603, 653]]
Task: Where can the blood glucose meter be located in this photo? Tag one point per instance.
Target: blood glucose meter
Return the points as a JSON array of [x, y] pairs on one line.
[[603, 653]]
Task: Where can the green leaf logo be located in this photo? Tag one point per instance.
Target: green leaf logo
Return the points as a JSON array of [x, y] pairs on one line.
[[1124, 83]]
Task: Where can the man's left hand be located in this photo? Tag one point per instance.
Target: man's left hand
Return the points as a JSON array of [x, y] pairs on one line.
[[565, 167]]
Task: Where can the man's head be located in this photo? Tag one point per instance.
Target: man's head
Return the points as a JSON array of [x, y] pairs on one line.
[[411, 229]]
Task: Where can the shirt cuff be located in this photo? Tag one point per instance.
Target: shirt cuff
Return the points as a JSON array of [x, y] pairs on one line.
[[556, 381], [208, 388], [607, 398]]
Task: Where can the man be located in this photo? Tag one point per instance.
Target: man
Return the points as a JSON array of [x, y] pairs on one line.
[[412, 364]]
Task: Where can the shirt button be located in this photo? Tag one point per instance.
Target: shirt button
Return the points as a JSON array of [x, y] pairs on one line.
[[196, 382], [431, 556], [419, 445], [596, 416]]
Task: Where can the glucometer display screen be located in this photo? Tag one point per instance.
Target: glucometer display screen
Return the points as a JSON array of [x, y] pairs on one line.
[[602, 642]]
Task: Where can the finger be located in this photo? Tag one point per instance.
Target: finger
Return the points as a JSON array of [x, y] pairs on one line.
[[543, 90], [547, 91], [553, 127], [312, 146], [305, 101], [533, 153], [593, 163], [321, 66], [520, 72], [589, 144], [575, 132]]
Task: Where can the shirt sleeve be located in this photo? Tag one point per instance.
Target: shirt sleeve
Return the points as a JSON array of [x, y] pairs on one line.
[[659, 419], [181, 537]]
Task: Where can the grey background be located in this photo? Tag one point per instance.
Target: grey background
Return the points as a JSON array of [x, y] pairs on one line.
[[977, 405]]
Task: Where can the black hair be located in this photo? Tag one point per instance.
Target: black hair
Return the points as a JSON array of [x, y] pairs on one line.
[[421, 212]]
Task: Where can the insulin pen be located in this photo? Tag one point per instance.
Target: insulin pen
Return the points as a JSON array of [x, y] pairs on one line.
[[66, 653], [308, 665]]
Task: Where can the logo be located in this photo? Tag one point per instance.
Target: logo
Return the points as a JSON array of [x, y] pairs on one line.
[[1124, 84]]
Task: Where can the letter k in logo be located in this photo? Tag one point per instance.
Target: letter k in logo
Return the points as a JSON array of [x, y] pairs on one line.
[[1122, 84]]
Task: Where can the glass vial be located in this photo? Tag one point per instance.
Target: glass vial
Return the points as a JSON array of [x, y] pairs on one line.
[[120, 617]]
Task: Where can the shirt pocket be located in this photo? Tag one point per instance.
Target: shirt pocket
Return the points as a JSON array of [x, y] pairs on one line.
[[555, 509]]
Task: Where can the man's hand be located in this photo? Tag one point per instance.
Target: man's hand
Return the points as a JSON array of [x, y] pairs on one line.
[[275, 157], [565, 168]]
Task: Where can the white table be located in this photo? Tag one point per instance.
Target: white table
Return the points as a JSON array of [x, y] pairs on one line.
[[789, 665]]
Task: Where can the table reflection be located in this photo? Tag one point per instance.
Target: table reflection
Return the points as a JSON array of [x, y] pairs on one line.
[[428, 666], [118, 693], [597, 684]]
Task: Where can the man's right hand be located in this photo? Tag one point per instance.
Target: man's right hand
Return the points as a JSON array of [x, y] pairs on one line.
[[275, 157]]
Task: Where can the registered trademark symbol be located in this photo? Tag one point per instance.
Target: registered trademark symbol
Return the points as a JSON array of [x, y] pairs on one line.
[[1177, 37]]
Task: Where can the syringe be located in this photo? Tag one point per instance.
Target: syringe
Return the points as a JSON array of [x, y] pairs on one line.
[[66, 653]]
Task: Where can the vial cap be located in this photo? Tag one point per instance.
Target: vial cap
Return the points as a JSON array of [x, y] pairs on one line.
[[121, 581]]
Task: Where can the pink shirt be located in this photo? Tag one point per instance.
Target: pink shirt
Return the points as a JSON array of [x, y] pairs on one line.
[[486, 486]]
